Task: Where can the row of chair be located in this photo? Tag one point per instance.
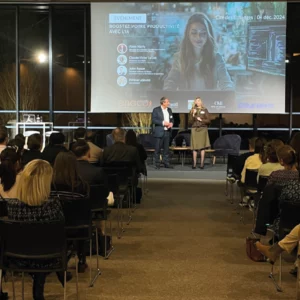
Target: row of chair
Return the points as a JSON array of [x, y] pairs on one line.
[[254, 187], [47, 240]]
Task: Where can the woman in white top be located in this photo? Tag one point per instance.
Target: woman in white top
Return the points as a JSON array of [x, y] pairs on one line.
[[272, 163]]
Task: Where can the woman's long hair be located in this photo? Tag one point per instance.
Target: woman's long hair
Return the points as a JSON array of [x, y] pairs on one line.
[[194, 105], [35, 183], [130, 138], [9, 158], [187, 55], [65, 171]]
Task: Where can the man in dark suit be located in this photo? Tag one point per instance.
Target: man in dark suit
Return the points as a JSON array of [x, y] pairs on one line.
[[88, 172], [162, 121], [120, 152]]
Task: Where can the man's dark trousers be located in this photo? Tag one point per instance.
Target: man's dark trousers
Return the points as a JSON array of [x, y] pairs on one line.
[[162, 143]]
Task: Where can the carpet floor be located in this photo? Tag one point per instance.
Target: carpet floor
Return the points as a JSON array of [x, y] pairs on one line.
[[185, 242]]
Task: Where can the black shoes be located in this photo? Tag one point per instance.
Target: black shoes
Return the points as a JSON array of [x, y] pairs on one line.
[[61, 275], [201, 167], [193, 167], [82, 266], [167, 166], [3, 296]]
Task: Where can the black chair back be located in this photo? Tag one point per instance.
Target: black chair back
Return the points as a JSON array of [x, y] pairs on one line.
[[77, 210], [251, 179], [262, 182], [32, 239], [289, 217], [230, 163], [120, 173], [98, 196], [147, 140]]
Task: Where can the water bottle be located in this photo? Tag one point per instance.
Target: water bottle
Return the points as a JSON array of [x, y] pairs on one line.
[[173, 143], [183, 143], [38, 119], [41, 119]]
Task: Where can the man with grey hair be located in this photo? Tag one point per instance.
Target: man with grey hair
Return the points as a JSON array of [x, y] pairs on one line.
[[119, 151], [162, 121]]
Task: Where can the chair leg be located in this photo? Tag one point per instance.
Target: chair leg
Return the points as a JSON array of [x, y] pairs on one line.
[[13, 285], [76, 264], [91, 245], [214, 160], [22, 285], [107, 254], [65, 285], [1, 279], [271, 275], [129, 195], [298, 279], [98, 272]]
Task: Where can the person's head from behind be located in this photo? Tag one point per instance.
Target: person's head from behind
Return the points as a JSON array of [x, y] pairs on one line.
[[35, 142], [17, 143], [80, 133], [20, 137], [56, 138], [35, 183], [3, 136], [65, 170], [252, 144], [130, 138], [271, 150], [259, 145], [10, 166], [119, 134], [287, 157], [164, 102], [81, 149]]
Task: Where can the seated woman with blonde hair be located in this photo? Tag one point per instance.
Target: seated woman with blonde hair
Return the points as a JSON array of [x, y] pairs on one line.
[[33, 204]]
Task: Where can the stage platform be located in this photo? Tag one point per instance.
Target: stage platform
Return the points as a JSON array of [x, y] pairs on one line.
[[210, 172]]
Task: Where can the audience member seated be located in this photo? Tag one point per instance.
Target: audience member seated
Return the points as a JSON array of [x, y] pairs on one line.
[[66, 176], [274, 196], [288, 244], [120, 152], [253, 161], [34, 146], [17, 142], [240, 161], [87, 171], [271, 160], [56, 145], [95, 151], [33, 204], [287, 157], [3, 138], [10, 168], [131, 140], [295, 144], [66, 182]]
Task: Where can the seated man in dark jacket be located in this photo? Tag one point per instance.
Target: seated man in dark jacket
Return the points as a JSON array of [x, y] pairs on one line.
[[56, 145], [88, 172], [120, 152]]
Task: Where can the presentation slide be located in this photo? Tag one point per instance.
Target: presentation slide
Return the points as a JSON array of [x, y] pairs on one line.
[[230, 54]]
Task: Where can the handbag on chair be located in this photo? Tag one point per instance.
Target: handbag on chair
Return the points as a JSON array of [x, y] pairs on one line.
[[251, 250]]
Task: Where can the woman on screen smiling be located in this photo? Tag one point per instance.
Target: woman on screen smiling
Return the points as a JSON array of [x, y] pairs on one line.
[[197, 66]]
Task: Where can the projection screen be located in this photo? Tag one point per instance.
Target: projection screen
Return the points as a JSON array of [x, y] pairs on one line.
[[231, 54]]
